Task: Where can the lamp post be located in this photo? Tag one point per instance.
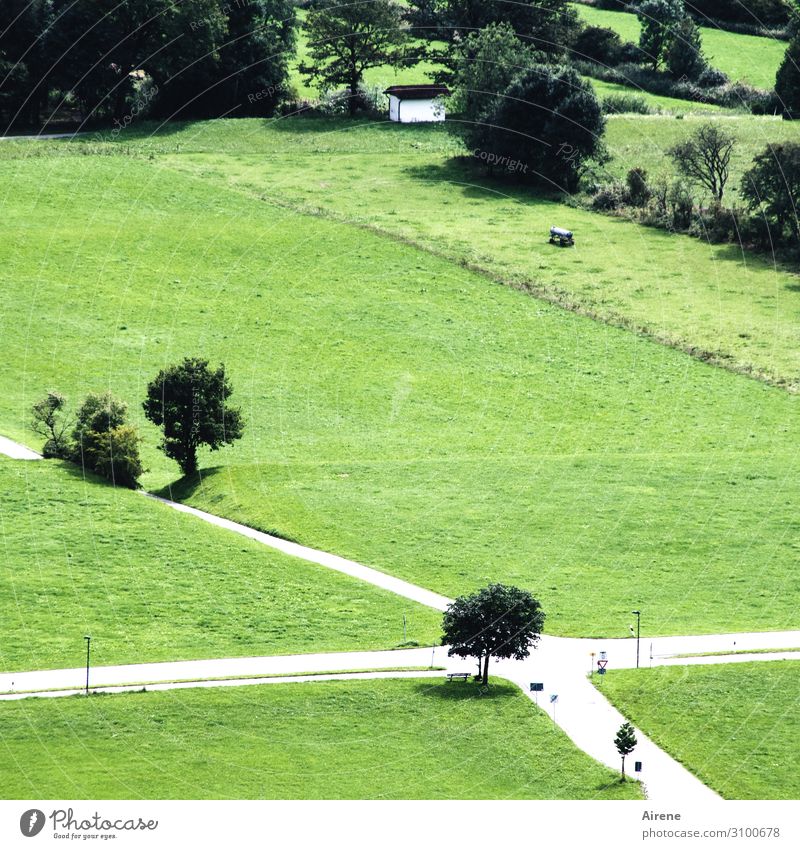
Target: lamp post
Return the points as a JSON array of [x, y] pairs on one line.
[[638, 615], [88, 649]]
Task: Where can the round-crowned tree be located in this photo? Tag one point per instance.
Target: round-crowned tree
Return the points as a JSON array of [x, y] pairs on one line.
[[787, 82], [189, 402], [498, 621], [547, 125]]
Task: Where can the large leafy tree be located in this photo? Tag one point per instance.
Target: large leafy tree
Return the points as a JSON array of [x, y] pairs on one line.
[[189, 402], [346, 39], [97, 44], [684, 56], [485, 64], [254, 60], [498, 621], [771, 187], [659, 21], [551, 25], [548, 119]]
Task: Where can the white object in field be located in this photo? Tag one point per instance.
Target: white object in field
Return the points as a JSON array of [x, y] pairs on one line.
[[411, 104]]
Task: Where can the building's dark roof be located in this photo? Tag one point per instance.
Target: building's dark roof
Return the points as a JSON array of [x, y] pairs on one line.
[[417, 92]]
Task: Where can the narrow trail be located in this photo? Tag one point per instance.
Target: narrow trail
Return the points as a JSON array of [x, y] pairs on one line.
[[561, 664]]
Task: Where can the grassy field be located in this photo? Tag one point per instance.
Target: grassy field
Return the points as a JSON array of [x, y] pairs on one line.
[[735, 726], [323, 740], [400, 409], [404, 182], [79, 557], [748, 58], [658, 103]]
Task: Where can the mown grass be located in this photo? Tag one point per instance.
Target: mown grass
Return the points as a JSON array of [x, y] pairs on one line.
[[406, 183], [735, 726], [749, 58], [382, 739], [401, 410], [148, 584]]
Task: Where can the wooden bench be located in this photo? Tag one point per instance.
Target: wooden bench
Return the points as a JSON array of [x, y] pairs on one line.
[[562, 238], [462, 676]]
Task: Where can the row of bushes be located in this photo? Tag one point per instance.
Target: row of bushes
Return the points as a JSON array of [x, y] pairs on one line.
[[713, 87], [768, 219]]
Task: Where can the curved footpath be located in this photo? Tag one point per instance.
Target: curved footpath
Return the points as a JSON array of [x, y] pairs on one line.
[[561, 664]]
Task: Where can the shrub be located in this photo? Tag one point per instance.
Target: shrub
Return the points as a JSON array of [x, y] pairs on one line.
[[549, 118], [599, 44], [771, 187], [680, 202], [114, 454], [618, 104], [50, 419], [638, 191], [712, 78], [684, 57], [609, 197], [787, 81], [716, 224]]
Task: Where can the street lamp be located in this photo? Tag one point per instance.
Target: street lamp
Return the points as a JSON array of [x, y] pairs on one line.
[[88, 649], [638, 615]]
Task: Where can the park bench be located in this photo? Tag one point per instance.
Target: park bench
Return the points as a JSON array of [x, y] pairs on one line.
[[562, 238], [462, 676]]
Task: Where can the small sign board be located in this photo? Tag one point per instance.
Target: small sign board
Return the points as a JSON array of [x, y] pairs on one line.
[[637, 766], [536, 687], [554, 697]]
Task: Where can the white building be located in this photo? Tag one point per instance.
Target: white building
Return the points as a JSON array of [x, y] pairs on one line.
[[412, 103]]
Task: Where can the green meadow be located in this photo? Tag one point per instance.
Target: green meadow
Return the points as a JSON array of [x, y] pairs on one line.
[[148, 584], [735, 726], [749, 58], [400, 409], [387, 739]]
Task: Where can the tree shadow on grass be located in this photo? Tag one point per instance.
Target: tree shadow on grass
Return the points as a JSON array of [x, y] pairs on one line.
[[184, 488], [460, 691]]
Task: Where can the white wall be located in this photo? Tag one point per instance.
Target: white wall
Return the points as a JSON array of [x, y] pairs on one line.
[[412, 111]]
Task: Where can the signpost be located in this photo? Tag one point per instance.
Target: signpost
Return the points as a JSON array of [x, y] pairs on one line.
[[553, 700], [536, 688]]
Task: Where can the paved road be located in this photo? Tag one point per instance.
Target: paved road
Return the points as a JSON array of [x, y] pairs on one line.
[[17, 451], [561, 664]]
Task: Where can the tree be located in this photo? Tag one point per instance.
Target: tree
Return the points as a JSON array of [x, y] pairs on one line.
[[787, 81], [550, 120], [189, 402], [705, 158], [625, 741], [99, 44], [684, 56], [772, 187], [498, 621], [254, 61], [49, 419], [549, 25], [97, 414], [485, 64], [25, 60], [659, 20], [347, 39]]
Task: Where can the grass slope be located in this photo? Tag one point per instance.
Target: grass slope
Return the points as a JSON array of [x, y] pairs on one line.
[[735, 726], [332, 740], [79, 557], [404, 182], [401, 410], [749, 58]]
